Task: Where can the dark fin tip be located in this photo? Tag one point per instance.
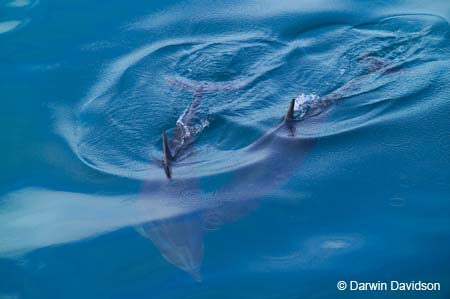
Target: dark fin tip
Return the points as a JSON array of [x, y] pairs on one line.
[[290, 113], [167, 169], [167, 155]]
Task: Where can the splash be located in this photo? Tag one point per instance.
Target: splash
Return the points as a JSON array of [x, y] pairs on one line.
[[307, 105]]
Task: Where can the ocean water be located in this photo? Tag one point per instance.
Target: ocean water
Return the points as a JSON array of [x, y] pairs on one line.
[[355, 187]]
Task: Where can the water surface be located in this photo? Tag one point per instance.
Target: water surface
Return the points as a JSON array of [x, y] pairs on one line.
[[360, 192]]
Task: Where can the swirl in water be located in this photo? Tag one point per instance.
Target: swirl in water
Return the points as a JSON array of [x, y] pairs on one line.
[[247, 81]]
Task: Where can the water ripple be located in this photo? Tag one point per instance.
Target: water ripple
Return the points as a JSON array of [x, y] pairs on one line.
[[363, 74]]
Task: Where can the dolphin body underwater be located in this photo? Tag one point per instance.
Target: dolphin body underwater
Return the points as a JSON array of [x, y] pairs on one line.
[[180, 239]]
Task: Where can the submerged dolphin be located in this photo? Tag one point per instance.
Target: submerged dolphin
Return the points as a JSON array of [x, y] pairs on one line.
[[180, 239]]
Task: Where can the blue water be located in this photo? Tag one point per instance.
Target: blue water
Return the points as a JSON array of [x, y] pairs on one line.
[[357, 187]]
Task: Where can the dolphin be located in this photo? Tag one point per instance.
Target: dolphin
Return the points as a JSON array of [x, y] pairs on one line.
[[183, 138], [179, 145], [281, 151], [180, 238]]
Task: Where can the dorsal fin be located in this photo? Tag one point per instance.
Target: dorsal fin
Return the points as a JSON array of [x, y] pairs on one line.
[[290, 113], [167, 155]]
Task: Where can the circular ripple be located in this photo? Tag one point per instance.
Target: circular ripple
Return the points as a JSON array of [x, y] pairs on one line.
[[247, 80]]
